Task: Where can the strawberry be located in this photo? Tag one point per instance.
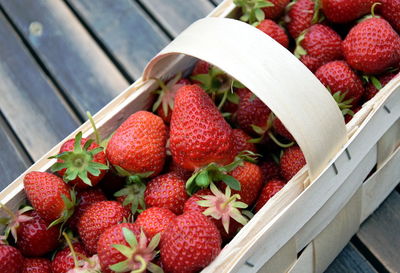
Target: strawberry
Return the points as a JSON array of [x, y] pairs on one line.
[[50, 196], [390, 10], [241, 142], [376, 84], [34, 238], [201, 67], [281, 130], [252, 115], [219, 208], [318, 45], [190, 242], [154, 220], [37, 265], [254, 11], [138, 145], [166, 191], [125, 248], [85, 199], [178, 170], [337, 76], [97, 218], [372, 46], [166, 96], [199, 134], [63, 261], [270, 170], [344, 11], [81, 162], [302, 14], [275, 10], [269, 190], [275, 31], [354, 110], [11, 260], [292, 161]]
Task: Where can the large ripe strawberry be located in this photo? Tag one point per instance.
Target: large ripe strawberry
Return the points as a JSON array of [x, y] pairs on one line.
[[302, 15], [125, 248], [337, 76], [81, 162], [390, 10], [318, 45], [37, 265], [269, 190], [50, 196], [344, 11], [34, 237], [166, 191], [372, 46], [154, 220], [292, 161], [64, 261], [241, 142], [138, 145], [275, 31], [11, 260], [97, 218], [190, 243], [376, 84], [199, 133]]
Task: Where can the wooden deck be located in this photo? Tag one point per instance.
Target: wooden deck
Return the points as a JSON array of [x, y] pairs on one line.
[[62, 58]]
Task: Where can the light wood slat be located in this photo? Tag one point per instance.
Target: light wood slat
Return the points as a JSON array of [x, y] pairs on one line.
[[380, 233], [176, 15], [72, 57], [125, 29], [29, 101]]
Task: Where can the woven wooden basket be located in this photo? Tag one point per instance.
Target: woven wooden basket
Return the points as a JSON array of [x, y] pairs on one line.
[[305, 225]]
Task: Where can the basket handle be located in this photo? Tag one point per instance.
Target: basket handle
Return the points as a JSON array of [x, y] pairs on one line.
[[271, 72]]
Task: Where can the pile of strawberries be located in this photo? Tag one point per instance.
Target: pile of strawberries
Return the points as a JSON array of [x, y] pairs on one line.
[[169, 188]]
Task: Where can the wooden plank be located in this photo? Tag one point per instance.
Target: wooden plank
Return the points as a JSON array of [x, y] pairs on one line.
[[350, 260], [380, 233], [69, 53], [29, 101], [176, 15], [124, 29], [13, 160]]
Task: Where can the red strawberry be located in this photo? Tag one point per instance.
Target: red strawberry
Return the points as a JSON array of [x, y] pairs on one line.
[[125, 242], [11, 260], [254, 11], [199, 133], [34, 238], [390, 10], [273, 12], [97, 218], [37, 265], [252, 112], [138, 145], [292, 161], [318, 45], [269, 190], [201, 67], [63, 261], [371, 89], [154, 220], [166, 191], [281, 130], [190, 243], [372, 46], [241, 142], [337, 76], [270, 170], [232, 107], [344, 11], [85, 199], [178, 170], [81, 165], [300, 17], [50, 196], [275, 31]]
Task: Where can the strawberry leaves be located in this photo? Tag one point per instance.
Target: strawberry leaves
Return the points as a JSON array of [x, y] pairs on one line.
[[252, 10]]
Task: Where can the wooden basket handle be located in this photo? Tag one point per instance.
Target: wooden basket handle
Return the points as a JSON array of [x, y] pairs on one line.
[[271, 72]]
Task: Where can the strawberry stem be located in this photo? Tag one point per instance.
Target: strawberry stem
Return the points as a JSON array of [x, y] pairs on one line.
[[71, 247], [96, 132], [277, 142], [143, 264]]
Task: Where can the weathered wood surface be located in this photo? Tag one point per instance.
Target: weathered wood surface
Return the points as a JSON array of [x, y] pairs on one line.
[[74, 59], [125, 30], [380, 233], [176, 15], [31, 104]]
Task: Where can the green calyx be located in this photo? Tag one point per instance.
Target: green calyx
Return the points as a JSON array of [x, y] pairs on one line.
[[261, 131], [299, 50], [133, 195], [278, 142], [138, 254], [165, 94], [344, 105], [14, 220], [374, 80], [79, 162], [252, 10], [69, 205], [318, 17]]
